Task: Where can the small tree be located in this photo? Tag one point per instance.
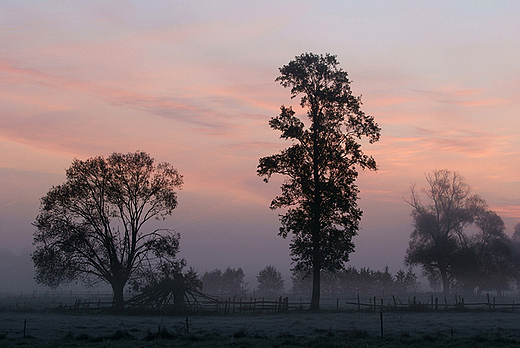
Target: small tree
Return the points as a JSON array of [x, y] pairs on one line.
[[91, 227], [321, 165], [233, 280], [212, 282], [270, 281], [229, 282], [169, 283], [406, 282]]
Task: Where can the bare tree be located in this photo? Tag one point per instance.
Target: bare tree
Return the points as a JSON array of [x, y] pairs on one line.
[[439, 225], [91, 227]]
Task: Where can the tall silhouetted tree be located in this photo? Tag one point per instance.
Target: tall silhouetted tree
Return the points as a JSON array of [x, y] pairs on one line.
[[439, 225], [91, 227], [270, 281], [321, 165]]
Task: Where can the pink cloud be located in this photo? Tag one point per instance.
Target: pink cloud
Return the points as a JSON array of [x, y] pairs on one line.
[[507, 211], [390, 101], [182, 109], [449, 95]]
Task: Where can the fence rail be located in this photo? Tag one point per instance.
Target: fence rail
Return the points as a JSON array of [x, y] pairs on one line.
[[100, 301], [232, 305], [433, 304]]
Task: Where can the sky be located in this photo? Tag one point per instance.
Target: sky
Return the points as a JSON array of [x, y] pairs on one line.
[[192, 83]]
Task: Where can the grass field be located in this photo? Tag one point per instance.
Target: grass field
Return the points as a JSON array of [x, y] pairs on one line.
[[294, 329]]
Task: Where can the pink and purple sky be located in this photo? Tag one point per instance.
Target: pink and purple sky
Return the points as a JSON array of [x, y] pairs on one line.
[[192, 83]]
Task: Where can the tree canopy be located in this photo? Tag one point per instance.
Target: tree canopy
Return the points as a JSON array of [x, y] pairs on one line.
[[270, 281], [229, 282], [321, 165], [447, 252], [91, 227]]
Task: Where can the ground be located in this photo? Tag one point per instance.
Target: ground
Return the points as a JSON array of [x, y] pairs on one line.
[[475, 328]]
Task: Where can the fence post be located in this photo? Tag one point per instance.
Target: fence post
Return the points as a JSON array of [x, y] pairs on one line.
[[382, 305], [436, 304], [358, 303], [445, 303], [488, 303], [381, 316]]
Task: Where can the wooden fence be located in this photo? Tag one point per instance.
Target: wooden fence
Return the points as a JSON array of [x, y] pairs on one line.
[[228, 306], [241, 305], [432, 304], [234, 305]]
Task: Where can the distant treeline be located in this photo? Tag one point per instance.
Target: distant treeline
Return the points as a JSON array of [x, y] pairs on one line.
[[363, 281], [348, 281]]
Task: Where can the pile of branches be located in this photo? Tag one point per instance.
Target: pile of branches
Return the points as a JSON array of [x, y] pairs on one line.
[[175, 294]]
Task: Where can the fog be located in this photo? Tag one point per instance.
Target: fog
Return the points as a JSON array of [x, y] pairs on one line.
[[194, 86]]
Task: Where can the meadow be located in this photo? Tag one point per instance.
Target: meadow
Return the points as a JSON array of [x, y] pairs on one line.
[[328, 328]]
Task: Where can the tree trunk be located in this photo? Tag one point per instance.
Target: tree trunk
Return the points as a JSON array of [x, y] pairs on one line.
[[178, 293], [316, 268], [119, 300], [316, 284], [316, 215], [445, 282]]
